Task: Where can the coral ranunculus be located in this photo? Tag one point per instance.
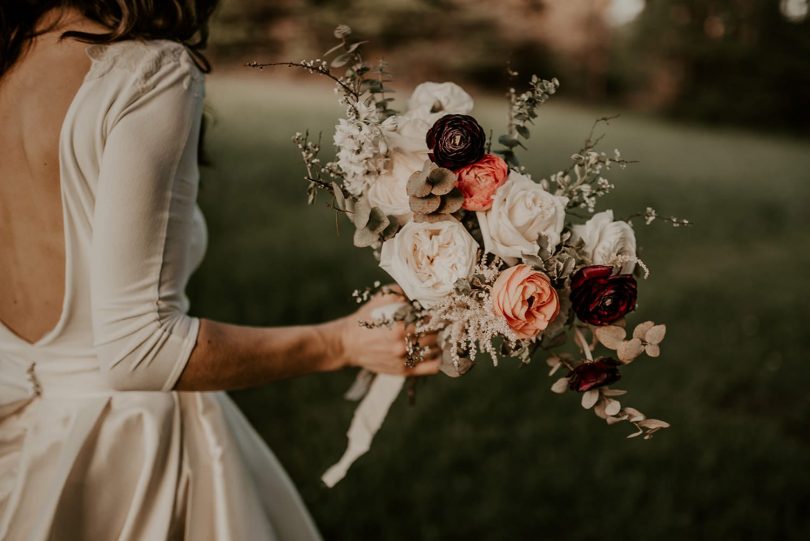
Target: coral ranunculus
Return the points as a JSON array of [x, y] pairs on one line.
[[598, 373], [525, 298], [479, 181], [600, 297], [455, 141]]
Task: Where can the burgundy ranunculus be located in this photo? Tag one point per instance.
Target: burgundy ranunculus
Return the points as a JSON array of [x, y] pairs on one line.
[[456, 141], [600, 297], [590, 375]]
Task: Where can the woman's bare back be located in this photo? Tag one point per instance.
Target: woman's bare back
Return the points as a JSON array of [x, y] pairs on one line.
[[34, 98]]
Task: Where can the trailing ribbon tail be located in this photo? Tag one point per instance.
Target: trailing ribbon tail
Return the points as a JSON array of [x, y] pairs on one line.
[[383, 389], [368, 417]]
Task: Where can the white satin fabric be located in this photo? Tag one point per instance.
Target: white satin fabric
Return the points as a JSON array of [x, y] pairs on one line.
[[93, 442]]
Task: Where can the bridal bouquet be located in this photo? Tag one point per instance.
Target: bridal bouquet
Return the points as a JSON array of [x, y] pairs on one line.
[[497, 261]]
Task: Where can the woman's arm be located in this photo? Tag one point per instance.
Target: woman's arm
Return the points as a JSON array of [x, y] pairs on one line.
[[232, 356], [143, 338]]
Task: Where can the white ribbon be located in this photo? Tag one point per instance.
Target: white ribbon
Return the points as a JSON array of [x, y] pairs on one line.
[[370, 413]]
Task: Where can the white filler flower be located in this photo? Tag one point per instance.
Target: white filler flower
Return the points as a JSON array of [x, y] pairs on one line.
[[521, 211], [427, 258], [607, 242]]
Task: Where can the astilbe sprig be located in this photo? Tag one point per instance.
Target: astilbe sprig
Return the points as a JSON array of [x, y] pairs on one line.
[[466, 319]]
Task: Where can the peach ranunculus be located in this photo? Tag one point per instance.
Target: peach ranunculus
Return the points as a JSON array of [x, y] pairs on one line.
[[525, 298], [479, 181]]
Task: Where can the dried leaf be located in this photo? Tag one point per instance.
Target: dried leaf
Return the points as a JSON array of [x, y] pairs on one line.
[[451, 202], [417, 185], [361, 212], [635, 434], [589, 398], [449, 368], [641, 329], [613, 392], [364, 237], [614, 420], [612, 407], [656, 334], [442, 181], [599, 409], [560, 386], [340, 200], [629, 350], [655, 424], [633, 415], [425, 205], [610, 336], [377, 221], [653, 350], [554, 363]]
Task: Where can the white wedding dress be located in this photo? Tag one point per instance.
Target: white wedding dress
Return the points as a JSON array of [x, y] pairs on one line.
[[93, 443]]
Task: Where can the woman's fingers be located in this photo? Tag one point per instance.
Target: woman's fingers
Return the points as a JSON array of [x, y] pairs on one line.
[[425, 368], [428, 340], [394, 294]]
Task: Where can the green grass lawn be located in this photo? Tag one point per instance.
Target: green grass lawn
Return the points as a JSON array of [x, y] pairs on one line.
[[495, 455]]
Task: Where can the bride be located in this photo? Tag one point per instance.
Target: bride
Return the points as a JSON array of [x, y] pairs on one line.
[[113, 423]]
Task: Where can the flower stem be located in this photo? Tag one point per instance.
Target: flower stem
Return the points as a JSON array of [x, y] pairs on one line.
[[586, 349]]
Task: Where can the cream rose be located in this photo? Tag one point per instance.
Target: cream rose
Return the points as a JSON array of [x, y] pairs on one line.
[[388, 190], [521, 211], [427, 258], [430, 101], [607, 240]]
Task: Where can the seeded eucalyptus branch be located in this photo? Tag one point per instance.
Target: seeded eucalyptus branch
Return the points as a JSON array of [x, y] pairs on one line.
[[522, 112]]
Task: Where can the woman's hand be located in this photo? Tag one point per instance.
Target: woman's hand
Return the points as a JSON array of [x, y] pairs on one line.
[[383, 349]]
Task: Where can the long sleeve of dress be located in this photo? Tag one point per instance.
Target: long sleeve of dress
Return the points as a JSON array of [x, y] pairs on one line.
[[146, 191]]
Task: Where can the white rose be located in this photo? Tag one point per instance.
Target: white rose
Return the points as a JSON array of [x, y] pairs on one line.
[[521, 211], [427, 258], [388, 191], [430, 101], [605, 240]]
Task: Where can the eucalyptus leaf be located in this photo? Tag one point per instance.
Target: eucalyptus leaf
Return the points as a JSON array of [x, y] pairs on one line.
[[523, 131], [377, 221], [362, 211], [341, 60], [363, 237], [340, 200], [508, 141]]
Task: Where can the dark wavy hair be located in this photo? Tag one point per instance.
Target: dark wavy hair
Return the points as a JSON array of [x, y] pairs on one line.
[[184, 21]]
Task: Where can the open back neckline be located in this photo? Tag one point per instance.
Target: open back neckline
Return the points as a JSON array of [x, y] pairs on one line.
[[67, 294]]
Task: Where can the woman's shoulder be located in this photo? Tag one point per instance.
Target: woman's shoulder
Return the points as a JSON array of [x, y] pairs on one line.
[[140, 61]]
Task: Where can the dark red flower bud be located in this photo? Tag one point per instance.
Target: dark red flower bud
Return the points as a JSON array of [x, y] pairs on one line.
[[456, 141], [600, 297], [590, 375]]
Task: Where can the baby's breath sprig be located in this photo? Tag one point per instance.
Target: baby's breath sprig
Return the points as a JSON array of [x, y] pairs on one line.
[[583, 182], [650, 215]]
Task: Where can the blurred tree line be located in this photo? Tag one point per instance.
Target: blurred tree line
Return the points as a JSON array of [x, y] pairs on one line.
[[718, 61]]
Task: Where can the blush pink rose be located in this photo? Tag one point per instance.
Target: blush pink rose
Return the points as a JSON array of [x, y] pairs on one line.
[[478, 181], [525, 298]]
